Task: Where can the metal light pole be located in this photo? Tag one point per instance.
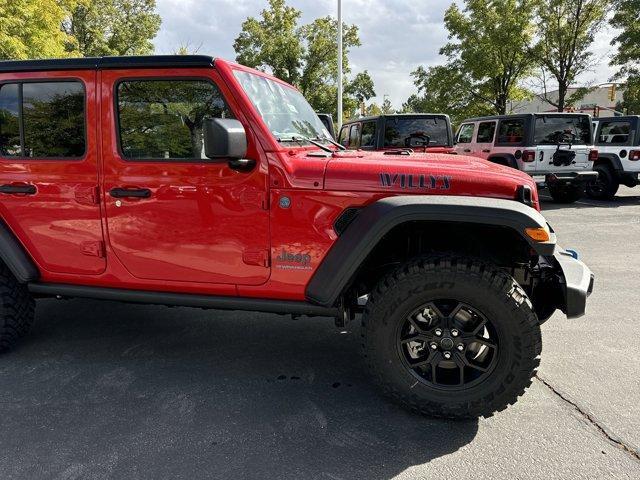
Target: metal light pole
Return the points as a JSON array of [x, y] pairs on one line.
[[339, 64]]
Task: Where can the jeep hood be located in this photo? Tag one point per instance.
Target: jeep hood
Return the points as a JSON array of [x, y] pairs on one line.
[[424, 173]]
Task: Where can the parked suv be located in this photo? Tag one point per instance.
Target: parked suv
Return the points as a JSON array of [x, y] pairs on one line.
[[184, 180], [554, 148], [618, 143], [423, 132]]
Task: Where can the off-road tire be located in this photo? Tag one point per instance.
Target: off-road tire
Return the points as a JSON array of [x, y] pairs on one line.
[[17, 310], [606, 186], [466, 280], [566, 193]]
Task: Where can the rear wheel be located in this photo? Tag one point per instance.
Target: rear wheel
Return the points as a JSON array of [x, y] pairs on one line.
[[450, 336], [606, 186], [17, 310], [566, 193]]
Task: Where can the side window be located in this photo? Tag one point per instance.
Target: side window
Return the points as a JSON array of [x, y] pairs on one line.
[[486, 131], [354, 136], [465, 134], [368, 134], [343, 139], [42, 119], [511, 132], [163, 119], [614, 133]]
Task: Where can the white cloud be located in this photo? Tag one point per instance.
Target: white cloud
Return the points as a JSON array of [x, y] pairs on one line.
[[396, 35]]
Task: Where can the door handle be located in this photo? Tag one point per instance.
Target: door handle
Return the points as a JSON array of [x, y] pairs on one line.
[[467, 150], [486, 150], [130, 192], [18, 189]]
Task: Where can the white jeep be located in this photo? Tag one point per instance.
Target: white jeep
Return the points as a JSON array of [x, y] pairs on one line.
[[556, 149], [618, 143]]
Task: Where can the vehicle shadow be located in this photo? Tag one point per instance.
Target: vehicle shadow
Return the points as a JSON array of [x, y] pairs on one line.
[[546, 203], [109, 390]]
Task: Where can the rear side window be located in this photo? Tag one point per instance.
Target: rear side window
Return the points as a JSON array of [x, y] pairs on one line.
[[163, 119], [354, 136], [552, 129], [465, 134], [615, 133], [368, 134], [486, 131], [511, 132], [42, 120]]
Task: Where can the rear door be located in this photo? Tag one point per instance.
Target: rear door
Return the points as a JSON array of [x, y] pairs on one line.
[[484, 139], [48, 169], [173, 214], [562, 132]]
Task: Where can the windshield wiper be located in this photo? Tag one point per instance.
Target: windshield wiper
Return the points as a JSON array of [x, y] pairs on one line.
[[302, 138]]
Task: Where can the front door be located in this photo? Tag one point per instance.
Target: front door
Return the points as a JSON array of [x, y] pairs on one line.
[[484, 139], [173, 214]]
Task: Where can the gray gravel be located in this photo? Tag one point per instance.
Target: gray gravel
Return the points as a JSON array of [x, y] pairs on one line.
[[108, 390]]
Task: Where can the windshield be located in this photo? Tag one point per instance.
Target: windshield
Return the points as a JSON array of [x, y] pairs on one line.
[[398, 132], [285, 111], [553, 129]]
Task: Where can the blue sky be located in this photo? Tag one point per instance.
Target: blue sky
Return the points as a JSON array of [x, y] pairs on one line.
[[396, 35]]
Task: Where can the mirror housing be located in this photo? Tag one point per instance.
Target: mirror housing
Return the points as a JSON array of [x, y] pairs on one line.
[[415, 140], [224, 138]]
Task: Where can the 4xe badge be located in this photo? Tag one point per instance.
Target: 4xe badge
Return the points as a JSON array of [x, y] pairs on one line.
[[293, 261], [418, 181]]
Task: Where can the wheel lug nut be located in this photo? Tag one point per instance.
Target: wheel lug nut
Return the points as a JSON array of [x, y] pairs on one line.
[[438, 332], [446, 355], [454, 333], [434, 346], [460, 347]]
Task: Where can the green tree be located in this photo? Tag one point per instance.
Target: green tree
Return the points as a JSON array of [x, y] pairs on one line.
[[446, 88], [489, 50], [31, 29], [113, 27], [566, 29], [627, 57], [305, 56]]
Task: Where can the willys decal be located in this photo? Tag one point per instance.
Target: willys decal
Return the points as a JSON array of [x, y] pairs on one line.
[[418, 181]]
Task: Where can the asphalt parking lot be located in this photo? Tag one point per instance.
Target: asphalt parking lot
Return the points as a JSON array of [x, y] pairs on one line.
[[108, 390]]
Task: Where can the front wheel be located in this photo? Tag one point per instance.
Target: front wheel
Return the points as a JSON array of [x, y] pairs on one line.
[[566, 193], [450, 336]]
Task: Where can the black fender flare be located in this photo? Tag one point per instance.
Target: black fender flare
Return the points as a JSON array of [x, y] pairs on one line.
[[15, 257], [509, 159], [359, 238], [611, 158]]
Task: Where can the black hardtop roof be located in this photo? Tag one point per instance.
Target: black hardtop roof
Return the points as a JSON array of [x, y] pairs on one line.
[[395, 115], [98, 63], [620, 117], [520, 115]]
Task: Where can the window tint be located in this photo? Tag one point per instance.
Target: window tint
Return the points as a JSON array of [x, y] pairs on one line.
[[398, 131], [53, 120], [465, 134], [368, 134], [9, 121], [354, 136], [615, 133], [486, 130], [343, 138], [163, 119], [511, 131], [551, 129]]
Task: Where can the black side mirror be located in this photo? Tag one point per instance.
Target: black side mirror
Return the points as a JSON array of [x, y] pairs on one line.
[[417, 141], [224, 138]]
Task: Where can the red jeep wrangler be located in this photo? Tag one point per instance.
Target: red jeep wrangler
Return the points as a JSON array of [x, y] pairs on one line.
[[184, 180]]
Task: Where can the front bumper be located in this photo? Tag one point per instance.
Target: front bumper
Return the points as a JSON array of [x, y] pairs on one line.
[[577, 283], [571, 178]]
